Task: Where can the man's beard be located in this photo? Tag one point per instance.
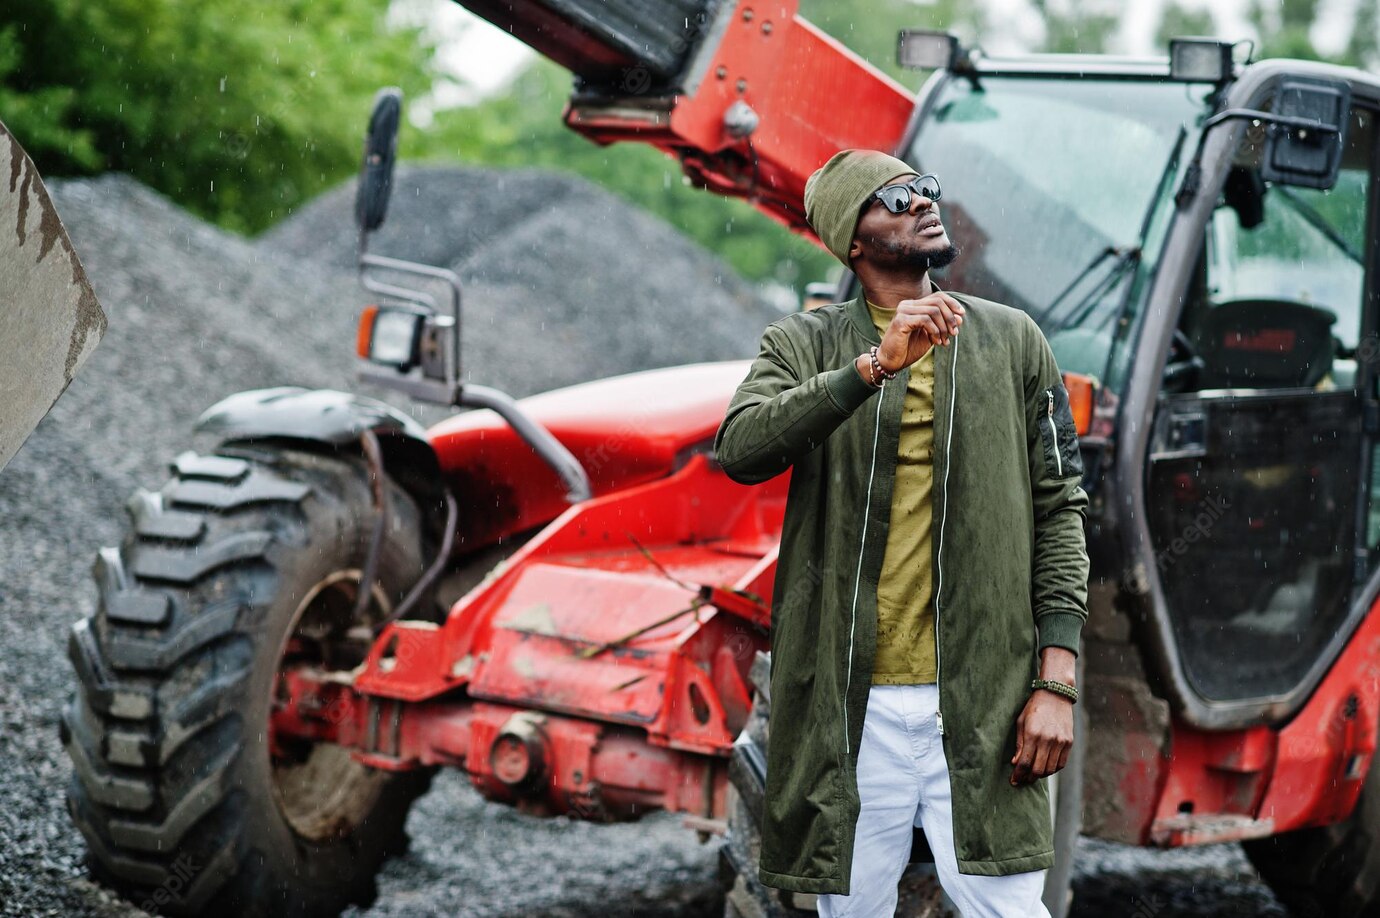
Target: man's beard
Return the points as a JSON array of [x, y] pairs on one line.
[[898, 256]]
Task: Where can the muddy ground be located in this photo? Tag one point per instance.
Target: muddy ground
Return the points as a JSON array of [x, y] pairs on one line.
[[558, 291]]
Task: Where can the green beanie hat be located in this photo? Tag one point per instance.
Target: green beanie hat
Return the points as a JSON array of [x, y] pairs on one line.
[[836, 191]]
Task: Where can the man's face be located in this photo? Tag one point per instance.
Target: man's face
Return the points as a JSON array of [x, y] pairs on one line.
[[913, 238]]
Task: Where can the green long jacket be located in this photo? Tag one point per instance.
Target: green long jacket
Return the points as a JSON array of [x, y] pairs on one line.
[[1010, 571]]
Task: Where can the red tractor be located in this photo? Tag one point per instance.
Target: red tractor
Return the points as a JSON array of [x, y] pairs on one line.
[[269, 680]]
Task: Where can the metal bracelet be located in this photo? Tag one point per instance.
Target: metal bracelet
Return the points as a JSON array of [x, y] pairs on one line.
[[1059, 688]]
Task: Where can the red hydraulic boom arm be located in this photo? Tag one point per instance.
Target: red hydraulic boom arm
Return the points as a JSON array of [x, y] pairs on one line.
[[749, 97]]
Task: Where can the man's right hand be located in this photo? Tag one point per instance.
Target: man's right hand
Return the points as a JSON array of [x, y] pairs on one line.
[[918, 325]]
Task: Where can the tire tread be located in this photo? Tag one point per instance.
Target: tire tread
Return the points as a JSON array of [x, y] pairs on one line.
[[163, 664]]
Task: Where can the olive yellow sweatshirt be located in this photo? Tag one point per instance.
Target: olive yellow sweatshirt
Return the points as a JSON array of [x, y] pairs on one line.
[[905, 608]]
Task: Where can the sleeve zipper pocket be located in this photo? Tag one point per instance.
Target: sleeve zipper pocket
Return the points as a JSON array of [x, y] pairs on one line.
[[1054, 434]]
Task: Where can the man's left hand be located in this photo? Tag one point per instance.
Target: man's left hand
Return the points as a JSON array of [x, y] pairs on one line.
[[1044, 731]]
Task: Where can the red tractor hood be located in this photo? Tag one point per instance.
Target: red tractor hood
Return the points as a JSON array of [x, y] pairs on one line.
[[625, 430]]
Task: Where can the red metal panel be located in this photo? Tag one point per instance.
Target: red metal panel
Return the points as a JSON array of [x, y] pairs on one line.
[[1324, 752], [584, 581], [573, 657], [1214, 784], [624, 429], [813, 96], [1260, 781]]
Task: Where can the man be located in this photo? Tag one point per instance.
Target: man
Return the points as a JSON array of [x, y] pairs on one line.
[[933, 567]]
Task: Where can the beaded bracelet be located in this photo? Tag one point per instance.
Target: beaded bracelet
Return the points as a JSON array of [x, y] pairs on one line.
[[1059, 688], [877, 367], [872, 376]]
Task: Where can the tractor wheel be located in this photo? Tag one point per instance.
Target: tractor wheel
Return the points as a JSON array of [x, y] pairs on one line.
[[920, 895], [745, 896], [1327, 870], [245, 563]]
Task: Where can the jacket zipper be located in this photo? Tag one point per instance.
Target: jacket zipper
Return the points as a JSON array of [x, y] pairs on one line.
[[1054, 436], [939, 554], [857, 577]]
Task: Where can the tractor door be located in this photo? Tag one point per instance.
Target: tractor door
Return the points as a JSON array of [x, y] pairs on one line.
[[1262, 501]]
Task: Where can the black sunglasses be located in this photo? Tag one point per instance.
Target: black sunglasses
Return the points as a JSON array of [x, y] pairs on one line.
[[897, 197]]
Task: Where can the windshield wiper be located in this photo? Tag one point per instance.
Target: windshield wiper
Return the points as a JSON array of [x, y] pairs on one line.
[[1122, 255], [1126, 257]]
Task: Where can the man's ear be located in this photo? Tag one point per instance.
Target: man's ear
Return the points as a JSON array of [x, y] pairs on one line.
[[854, 249]]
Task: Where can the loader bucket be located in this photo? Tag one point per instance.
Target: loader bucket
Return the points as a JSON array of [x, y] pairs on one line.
[[51, 320]]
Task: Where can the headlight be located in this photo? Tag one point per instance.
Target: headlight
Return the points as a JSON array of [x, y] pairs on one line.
[[390, 336], [1203, 60]]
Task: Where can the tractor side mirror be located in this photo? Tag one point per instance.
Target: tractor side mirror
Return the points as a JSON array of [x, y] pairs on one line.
[[1299, 154], [380, 152]]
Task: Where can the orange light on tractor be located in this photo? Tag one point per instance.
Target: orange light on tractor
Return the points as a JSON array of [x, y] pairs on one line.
[[1080, 388], [365, 332]]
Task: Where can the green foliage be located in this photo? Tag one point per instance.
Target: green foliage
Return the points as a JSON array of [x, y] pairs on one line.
[[1363, 49], [1284, 27], [1074, 28], [869, 28], [237, 111], [1181, 22], [41, 117]]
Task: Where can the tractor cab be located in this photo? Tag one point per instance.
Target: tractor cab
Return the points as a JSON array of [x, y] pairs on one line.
[[1199, 239]]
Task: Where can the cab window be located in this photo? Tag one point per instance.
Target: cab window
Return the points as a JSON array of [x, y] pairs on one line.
[[1277, 300]]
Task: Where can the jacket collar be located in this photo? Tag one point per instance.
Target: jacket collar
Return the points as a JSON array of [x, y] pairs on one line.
[[862, 319], [857, 313]]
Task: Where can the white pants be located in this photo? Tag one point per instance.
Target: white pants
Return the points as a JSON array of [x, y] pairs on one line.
[[903, 781]]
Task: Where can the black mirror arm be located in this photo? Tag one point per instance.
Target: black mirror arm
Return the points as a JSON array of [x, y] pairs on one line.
[[552, 451], [1193, 175]]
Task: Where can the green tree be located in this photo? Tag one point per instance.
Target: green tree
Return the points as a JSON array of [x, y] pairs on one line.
[[43, 118], [1076, 26], [1363, 48], [1284, 26], [237, 111], [1180, 21], [869, 29]]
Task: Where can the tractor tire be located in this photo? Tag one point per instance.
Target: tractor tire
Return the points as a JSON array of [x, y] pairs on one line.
[[1329, 870], [246, 559], [744, 894], [919, 895]]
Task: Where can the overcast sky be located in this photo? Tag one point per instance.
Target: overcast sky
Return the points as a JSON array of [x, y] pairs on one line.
[[485, 58]]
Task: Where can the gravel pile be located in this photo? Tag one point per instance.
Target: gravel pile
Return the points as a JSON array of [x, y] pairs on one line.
[[564, 283]]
